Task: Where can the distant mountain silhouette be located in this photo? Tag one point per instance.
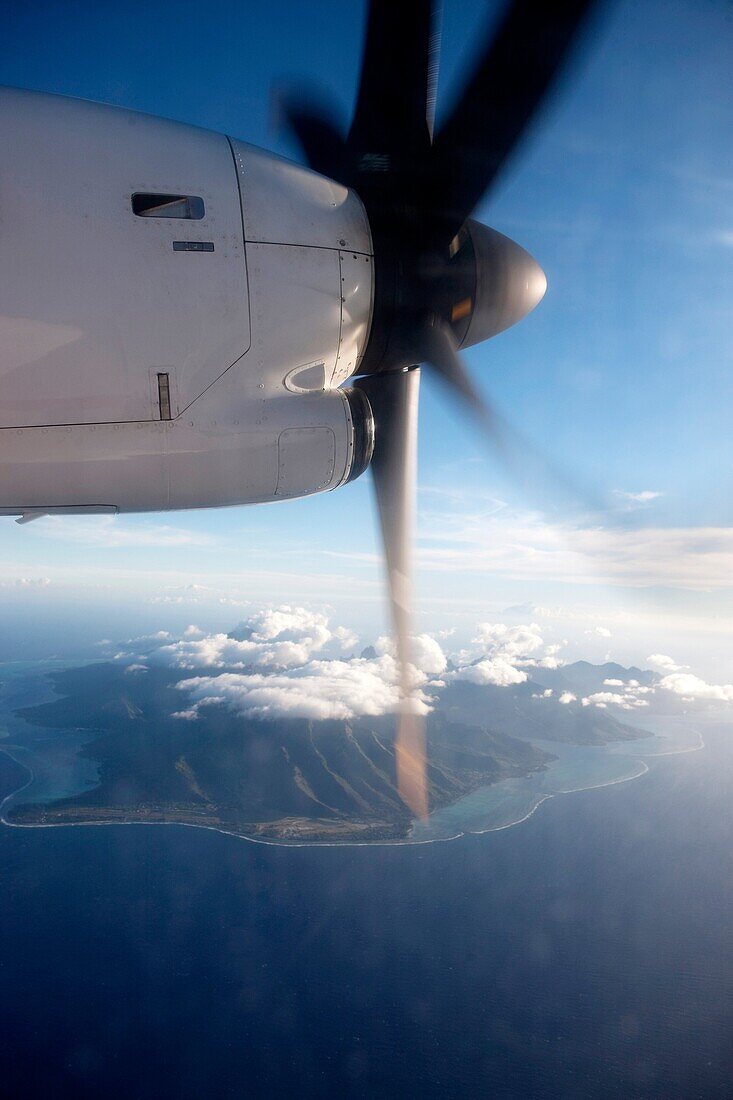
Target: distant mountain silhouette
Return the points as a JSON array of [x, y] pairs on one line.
[[583, 678], [521, 711]]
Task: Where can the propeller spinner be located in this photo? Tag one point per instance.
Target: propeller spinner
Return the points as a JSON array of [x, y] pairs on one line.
[[442, 280]]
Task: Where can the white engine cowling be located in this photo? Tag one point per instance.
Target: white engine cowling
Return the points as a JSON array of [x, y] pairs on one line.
[[176, 310]]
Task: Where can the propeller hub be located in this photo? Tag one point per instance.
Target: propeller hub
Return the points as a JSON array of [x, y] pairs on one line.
[[509, 283], [475, 287]]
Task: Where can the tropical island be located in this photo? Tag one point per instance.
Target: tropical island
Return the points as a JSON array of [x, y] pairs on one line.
[[291, 779]]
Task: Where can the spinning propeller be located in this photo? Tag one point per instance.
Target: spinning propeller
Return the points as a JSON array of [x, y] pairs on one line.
[[442, 280]]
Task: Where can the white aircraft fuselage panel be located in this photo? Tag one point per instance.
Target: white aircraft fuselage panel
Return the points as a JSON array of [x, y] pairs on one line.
[[284, 203], [176, 309], [95, 300]]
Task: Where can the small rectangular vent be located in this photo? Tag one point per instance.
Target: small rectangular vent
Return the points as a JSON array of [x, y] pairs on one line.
[[193, 246], [164, 396], [190, 207]]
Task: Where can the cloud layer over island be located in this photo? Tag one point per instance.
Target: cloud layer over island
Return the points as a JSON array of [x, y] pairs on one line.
[[290, 661]]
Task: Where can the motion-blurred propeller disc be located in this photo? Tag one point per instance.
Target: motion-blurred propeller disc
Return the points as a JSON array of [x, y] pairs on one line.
[[442, 280], [394, 402]]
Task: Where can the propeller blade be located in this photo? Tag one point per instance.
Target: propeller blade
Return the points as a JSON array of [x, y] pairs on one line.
[[511, 80], [394, 401], [411, 761], [439, 351], [398, 66], [314, 126], [391, 128], [529, 469]]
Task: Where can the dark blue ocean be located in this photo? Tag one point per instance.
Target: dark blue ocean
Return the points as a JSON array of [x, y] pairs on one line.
[[587, 952]]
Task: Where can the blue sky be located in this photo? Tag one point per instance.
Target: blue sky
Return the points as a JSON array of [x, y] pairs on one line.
[[624, 193]]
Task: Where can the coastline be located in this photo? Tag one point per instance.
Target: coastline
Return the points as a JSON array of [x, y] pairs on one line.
[[495, 807], [351, 843]]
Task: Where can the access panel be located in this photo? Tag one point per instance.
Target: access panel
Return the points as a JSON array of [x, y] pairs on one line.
[[121, 261]]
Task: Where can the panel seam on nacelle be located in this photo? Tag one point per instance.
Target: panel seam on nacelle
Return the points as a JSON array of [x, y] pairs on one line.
[[350, 435], [153, 419], [300, 244], [246, 283]]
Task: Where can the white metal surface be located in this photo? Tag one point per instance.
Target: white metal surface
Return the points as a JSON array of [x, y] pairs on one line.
[[357, 299], [295, 306], [94, 303], [226, 455], [285, 203], [303, 453]]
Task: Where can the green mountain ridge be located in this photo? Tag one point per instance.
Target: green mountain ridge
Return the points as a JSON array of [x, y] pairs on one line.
[[287, 779]]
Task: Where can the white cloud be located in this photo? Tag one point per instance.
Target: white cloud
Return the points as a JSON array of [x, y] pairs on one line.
[[664, 663], [196, 594], [692, 687], [524, 546], [290, 661], [625, 701], [646, 496], [550, 657], [533, 609], [499, 655], [111, 532], [27, 582], [427, 655], [280, 664], [627, 698], [318, 690], [495, 670], [273, 638], [513, 642], [603, 632], [346, 638]]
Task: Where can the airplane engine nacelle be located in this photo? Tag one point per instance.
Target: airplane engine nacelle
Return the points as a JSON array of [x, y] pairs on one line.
[[177, 312], [289, 446]]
